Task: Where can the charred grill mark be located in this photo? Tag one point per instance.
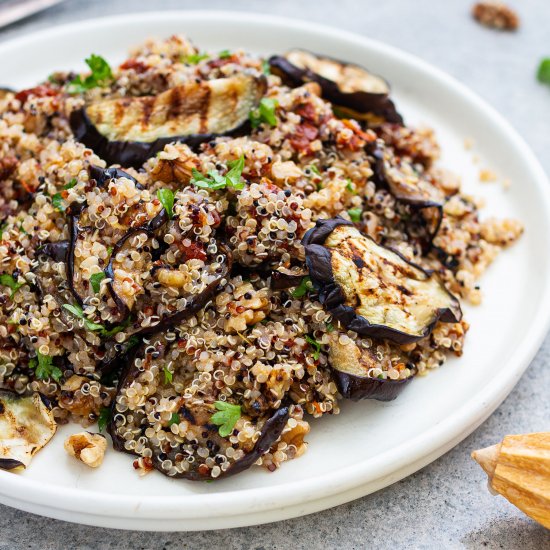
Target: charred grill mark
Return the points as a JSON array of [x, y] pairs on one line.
[[147, 109], [203, 110]]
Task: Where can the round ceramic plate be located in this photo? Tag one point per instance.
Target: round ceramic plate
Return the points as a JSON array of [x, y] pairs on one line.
[[369, 445]]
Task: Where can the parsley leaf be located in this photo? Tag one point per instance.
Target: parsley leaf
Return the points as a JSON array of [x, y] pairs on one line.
[[2, 227], [77, 311], [95, 280], [214, 180], [314, 169], [350, 186], [58, 202], [266, 69], [225, 54], [168, 375], [315, 345], [226, 417], [44, 368], [71, 184], [104, 418], [10, 282], [194, 58], [330, 327], [109, 250], [101, 76], [166, 197], [174, 419], [355, 214], [132, 342], [543, 74], [303, 288], [264, 113]]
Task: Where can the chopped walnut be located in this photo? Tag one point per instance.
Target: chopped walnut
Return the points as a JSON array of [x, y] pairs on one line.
[[175, 164], [87, 447], [250, 308], [496, 15], [285, 171]]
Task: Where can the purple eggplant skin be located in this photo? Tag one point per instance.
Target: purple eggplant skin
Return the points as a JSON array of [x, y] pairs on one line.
[[361, 102], [10, 464], [358, 387], [319, 263], [134, 153], [104, 175], [282, 281], [56, 251]]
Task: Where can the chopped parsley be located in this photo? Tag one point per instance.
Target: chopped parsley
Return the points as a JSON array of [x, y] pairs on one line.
[[77, 311], [174, 419], [2, 227], [104, 418], [44, 368], [226, 417], [10, 282], [315, 345], [213, 180], [132, 342], [543, 73], [264, 113], [194, 58], [355, 214], [58, 202], [225, 54], [166, 197], [266, 69], [350, 186], [303, 288], [100, 76], [71, 184], [330, 327], [109, 250], [95, 280], [314, 169], [168, 376]]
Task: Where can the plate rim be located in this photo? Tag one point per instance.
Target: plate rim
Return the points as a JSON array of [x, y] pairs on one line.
[[420, 450]]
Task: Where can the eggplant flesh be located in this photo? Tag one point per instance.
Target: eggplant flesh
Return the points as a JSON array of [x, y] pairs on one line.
[[128, 131], [372, 289], [195, 451], [345, 85], [26, 426], [353, 369]]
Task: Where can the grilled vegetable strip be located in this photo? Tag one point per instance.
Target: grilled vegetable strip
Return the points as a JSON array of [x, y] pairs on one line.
[[371, 289]]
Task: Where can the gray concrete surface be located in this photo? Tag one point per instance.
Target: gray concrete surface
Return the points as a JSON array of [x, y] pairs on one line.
[[445, 505]]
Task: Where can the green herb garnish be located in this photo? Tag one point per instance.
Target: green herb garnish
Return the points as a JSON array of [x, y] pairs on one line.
[[44, 368], [226, 417], [213, 180], [104, 418], [303, 288], [330, 327], [266, 69], [2, 227], [166, 197], [10, 282], [71, 184], [350, 186], [543, 73], [314, 169], [174, 419], [168, 375], [225, 54], [194, 58], [101, 76], [109, 250], [132, 342], [58, 202], [77, 311], [264, 113], [95, 280], [315, 345], [355, 214]]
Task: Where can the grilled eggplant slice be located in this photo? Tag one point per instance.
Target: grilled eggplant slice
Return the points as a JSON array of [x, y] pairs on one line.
[[26, 425], [371, 289], [359, 373], [172, 429], [127, 131], [349, 87]]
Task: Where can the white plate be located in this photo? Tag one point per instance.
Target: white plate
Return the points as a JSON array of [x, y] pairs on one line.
[[369, 445]]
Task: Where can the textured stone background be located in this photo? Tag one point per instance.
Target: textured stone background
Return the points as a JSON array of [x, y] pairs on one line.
[[445, 505]]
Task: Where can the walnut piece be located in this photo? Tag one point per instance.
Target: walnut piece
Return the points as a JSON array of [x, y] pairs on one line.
[[87, 447], [496, 15]]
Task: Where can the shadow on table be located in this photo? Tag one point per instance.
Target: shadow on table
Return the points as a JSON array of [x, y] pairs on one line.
[[508, 534]]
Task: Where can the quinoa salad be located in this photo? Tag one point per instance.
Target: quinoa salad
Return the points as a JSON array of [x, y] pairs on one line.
[[202, 251]]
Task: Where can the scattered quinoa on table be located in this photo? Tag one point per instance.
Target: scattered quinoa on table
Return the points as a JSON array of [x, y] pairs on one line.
[[203, 251]]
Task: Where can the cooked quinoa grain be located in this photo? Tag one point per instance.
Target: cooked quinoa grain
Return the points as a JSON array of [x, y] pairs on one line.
[[170, 299]]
